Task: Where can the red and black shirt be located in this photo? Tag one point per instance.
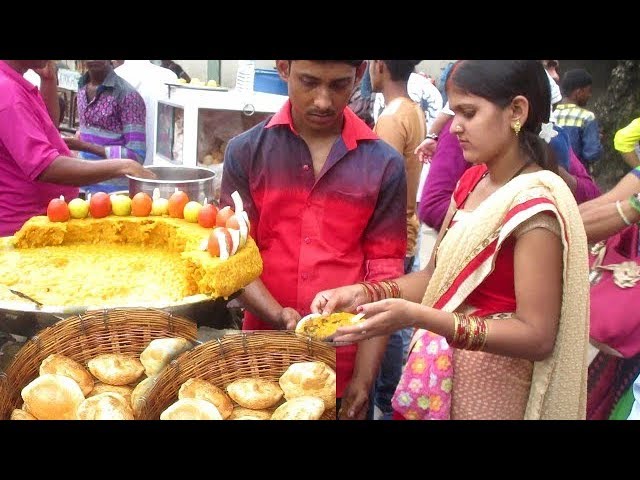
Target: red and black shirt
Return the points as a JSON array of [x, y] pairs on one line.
[[346, 226]]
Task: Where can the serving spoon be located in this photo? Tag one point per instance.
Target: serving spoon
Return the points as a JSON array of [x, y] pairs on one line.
[[26, 297]]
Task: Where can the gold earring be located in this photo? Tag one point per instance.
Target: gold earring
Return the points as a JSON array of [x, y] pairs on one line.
[[516, 127]]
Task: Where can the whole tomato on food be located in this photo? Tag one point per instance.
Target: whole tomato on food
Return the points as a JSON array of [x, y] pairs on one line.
[[207, 216], [224, 214], [58, 210], [100, 205], [141, 204], [177, 202]]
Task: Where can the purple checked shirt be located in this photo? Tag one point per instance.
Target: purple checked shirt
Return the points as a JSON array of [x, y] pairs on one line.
[[115, 119]]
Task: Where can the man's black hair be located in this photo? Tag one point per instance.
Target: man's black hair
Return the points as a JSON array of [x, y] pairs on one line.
[[353, 63], [401, 70], [575, 79]]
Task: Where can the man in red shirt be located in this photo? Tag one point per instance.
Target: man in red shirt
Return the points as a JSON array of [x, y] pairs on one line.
[[327, 203]]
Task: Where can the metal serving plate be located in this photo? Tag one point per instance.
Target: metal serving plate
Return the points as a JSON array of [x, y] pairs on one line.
[[329, 340]]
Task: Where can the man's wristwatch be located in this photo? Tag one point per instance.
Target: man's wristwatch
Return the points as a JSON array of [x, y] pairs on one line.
[[432, 136]]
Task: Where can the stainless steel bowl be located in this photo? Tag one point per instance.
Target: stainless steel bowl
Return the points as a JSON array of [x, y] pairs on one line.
[[196, 182]]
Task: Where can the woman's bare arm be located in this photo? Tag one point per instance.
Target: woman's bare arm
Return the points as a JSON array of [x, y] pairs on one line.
[[531, 333], [627, 186], [603, 221]]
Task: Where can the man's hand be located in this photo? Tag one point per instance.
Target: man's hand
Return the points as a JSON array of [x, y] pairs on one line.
[[426, 150], [355, 401], [134, 169], [288, 318], [48, 72], [342, 299]]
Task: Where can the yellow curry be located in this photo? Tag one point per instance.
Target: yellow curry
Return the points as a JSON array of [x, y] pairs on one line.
[[324, 326]]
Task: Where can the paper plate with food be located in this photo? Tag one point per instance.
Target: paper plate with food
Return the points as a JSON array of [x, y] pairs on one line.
[[323, 327]]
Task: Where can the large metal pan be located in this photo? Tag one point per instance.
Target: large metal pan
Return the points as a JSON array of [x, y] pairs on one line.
[[196, 182], [23, 318]]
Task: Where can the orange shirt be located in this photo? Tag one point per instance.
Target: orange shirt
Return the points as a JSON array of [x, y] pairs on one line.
[[402, 125]]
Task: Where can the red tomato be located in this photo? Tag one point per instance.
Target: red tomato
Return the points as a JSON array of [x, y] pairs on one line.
[[223, 216], [141, 205], [177, 201], [100, 205], [207, 216], [214, 247], [58, 210]]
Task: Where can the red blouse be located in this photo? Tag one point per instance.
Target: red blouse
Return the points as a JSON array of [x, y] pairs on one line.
[[496, 294]]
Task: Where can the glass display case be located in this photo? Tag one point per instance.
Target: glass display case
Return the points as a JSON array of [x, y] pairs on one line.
[[194, 124], [169, 133]]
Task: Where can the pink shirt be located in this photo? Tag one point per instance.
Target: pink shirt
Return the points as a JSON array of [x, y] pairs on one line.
[[29, 143]]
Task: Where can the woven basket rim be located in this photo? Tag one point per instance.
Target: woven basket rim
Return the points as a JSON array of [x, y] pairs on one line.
[[247, 351], [81, 337]]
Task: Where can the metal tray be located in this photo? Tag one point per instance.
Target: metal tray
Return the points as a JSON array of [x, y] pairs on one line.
[[14, 314], [196, 87]]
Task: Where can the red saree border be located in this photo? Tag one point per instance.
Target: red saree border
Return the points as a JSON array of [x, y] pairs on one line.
[[536, 205]]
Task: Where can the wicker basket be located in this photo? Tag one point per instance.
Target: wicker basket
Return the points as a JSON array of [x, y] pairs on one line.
[[82, 337], [264, 354]]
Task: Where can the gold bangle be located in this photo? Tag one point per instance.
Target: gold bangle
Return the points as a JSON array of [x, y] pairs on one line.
[[461, 335], [456, 324], [471, 332], [479, 336], [464, 334], [483, 337]]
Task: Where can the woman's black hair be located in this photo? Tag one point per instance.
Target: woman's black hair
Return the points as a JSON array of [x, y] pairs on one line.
[[500, 81]]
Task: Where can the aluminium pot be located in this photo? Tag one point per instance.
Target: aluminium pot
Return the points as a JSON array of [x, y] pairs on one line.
[[196, 182]]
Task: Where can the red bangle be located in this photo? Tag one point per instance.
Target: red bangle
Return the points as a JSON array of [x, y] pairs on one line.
[[368, 291], [379, 291]]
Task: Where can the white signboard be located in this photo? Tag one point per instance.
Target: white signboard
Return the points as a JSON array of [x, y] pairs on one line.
[[68, 79]]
